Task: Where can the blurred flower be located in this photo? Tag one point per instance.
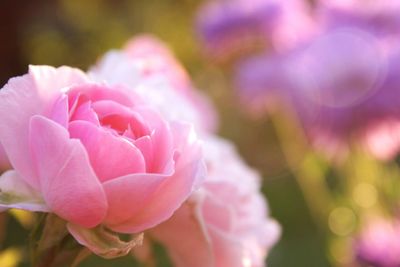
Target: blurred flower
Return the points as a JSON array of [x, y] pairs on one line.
[[379, 18], [94, 150], [342, 84], [226, 223], [234, 27], [378, 244], [262, 83], [148, 66]]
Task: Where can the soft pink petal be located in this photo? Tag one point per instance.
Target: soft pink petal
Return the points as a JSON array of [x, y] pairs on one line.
[[68, 183], [19, 92], [228, 250], [146, 147], [16, 193], [98, 92], [85, 113], [59, 112], [110, 156], [161, 198], [218, 213], [121, 118], [49, 81], [185, 236], [108, 107], [161, 141], [23, 97], [128, 196], [188, 147]]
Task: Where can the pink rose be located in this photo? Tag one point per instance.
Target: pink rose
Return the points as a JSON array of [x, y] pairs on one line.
[[382, 139], [226, 222], [148, 67], [92, 154], [377, 244]]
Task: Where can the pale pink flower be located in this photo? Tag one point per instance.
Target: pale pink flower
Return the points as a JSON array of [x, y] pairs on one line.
[[151, 70], [92, 153], [225, 223], [378, 243], [382, 139]]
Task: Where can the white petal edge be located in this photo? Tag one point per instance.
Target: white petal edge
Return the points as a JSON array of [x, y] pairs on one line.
[[16, 193]]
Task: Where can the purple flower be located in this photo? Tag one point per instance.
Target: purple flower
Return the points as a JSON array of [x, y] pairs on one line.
[[342, 82], [341, 85], [379, 18], [228, 27]]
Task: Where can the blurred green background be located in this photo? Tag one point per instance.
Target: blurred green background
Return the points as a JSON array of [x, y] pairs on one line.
[[76, 33]]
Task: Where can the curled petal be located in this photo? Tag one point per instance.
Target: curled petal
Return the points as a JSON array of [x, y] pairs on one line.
[[103, 242]]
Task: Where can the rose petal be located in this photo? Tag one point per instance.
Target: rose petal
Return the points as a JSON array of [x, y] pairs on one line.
[[97, 92], [49, 80], [218, 213], [128, 196], [109, 155], [228, 250], [185, 236], [68, 183], [23, 97], [162, 140], [59, 112], [146, 147], [85, 113], [163, 195]]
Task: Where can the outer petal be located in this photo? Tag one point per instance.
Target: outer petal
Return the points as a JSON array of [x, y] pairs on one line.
[[185, 236], [97, 92], [23, 97], [49, 80], [158, 198], [68, 183], [128, 196], [16, 193]]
